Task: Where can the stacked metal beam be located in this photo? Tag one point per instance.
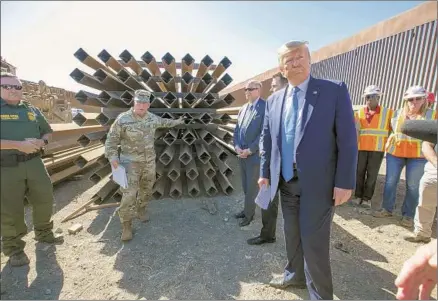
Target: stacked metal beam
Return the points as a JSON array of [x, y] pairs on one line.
[[192, 158]]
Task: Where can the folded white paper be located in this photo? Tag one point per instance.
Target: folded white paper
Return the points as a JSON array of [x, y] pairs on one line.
[[119, 176], [264, 197]]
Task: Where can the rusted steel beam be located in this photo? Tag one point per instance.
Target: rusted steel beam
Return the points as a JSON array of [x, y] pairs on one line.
[[188, 100], [225, 184], [188, 137], [110, 82], [107, 118], [107, 190], [102, 161], [131, 62], [86, 79], [206, 136], [230, 110], [84, 158], [101, 173], [169, 63], [185, 154], [207, 169], [175, 191], [117, 196], [222, 119], [223, 167], [219, 151], [116, 99], [151, 81], [167, 155], [202, 153], [186, 80], [152, 66], [66, 158], [210, 101], [63, 131], [191, 170], [174, 171], [230, 147], [209, 186], [89, 99], [187, 64], [126, 77], [170, 137], [169, 81], [223, 135], [84, 119], [193, 188], [221, 67], [221, 84], [86, 139], [206, 80], [160, 187], [159, 170], [91, 62], [109, 60], [206, 63], [59, 145]]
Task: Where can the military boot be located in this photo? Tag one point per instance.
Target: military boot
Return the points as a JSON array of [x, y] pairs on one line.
[[51, 239], [19, 259], [143, 215], [126, 231]]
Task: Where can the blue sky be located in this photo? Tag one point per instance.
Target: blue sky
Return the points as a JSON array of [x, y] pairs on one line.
[[41, 37]]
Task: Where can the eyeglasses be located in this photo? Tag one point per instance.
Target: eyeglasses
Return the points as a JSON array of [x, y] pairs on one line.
[[415, 98], [250, 89], [10, 87]]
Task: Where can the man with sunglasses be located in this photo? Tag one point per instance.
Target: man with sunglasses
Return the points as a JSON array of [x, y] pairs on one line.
[[373, 125], [246, 143], [24, 132]]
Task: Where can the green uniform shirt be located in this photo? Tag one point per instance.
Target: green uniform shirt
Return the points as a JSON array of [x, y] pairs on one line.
[[135, 136], [20, 122]]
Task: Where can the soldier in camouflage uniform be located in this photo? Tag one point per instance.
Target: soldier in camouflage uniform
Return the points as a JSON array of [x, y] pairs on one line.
[[134, 130]]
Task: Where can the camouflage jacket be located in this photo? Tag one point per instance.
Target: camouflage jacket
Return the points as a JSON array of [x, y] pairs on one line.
[[135, 135]]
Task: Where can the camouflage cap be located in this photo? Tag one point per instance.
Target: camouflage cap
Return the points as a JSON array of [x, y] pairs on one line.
[[142, 96]]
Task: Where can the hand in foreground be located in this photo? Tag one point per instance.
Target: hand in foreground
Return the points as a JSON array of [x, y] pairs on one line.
[[28, 147], [238, 150], [115, 163], [38, 142], [244, 154], [263, 181], [418, 276], [341, 195]]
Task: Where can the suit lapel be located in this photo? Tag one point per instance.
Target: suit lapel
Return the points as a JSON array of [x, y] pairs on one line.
[[256, 108], [280, 106], [311, 99]]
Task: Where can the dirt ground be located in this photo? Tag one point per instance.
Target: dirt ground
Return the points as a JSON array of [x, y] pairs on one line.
[[185, 252]]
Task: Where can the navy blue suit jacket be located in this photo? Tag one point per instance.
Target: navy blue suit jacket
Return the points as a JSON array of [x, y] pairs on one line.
[[251, 136], [327, 148]]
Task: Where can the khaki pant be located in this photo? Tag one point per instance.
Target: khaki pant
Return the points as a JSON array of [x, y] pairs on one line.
[[141, 178], [426, 208]]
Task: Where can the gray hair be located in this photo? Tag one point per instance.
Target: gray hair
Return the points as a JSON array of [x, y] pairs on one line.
[[287, 47], [254, 82]]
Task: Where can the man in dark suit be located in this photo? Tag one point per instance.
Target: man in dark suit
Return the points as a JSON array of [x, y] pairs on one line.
[[246, 143], [309, 152], [269, 216]]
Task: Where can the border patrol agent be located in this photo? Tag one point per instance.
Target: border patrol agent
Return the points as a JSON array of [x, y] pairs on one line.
[[134, 130], [24, 132]]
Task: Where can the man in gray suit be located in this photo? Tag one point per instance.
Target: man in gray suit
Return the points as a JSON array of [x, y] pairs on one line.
[[246, 143]]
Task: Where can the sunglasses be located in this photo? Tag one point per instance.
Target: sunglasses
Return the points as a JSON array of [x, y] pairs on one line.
[[415, 98], [250, 89], [10, 87]]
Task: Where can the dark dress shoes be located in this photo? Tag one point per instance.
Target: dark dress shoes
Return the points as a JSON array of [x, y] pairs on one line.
[[241, 214], [245, 222], [260, 240], [282, 283]]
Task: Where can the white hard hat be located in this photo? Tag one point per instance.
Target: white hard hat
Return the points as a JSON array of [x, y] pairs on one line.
[[415, 91], [372, 90]]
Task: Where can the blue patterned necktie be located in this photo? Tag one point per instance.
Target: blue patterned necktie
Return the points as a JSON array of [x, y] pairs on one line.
[[288, 136]]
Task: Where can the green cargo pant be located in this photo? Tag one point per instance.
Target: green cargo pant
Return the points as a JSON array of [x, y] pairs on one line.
[[29, 179], [141, 178]]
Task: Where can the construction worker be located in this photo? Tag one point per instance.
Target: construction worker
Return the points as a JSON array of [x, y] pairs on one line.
[[134, 130], [401, 151], [24, 132], [373, 125]]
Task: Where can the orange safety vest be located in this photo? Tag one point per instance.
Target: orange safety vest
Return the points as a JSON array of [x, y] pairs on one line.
[[401, 145], [373, 135]]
